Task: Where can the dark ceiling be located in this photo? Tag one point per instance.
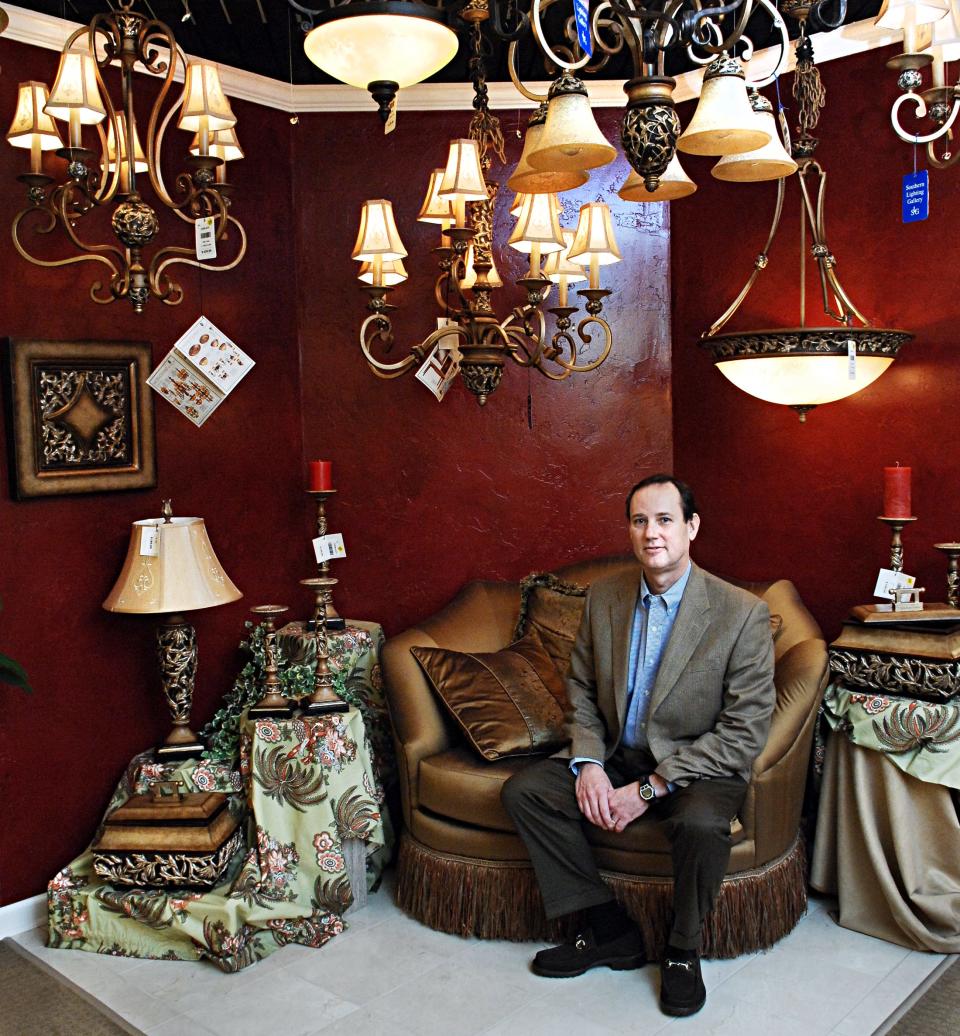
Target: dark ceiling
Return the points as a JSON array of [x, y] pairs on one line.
[[266, 36]]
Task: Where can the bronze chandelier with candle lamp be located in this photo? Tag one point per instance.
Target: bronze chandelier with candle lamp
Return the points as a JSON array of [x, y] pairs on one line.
[[97, 179]]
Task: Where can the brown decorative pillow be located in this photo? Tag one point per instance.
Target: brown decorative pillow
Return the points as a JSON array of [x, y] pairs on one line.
[[509, 702], [553, 608]]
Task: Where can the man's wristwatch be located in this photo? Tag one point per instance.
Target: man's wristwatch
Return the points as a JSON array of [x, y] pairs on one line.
[[647, 791]]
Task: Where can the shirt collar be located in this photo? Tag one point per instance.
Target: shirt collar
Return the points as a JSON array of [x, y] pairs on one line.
[[671, 597]]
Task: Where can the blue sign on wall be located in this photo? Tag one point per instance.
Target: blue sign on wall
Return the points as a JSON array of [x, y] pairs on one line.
[[916, 196], [581, 12]]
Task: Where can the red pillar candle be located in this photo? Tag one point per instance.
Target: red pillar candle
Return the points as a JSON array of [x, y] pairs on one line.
[[896, 493], [321, 475]]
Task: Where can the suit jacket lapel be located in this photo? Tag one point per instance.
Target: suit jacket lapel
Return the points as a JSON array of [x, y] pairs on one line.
[[691, 622], [621, 626]]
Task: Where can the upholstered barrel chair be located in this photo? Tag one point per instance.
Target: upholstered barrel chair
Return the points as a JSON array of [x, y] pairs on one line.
[[462, 866]]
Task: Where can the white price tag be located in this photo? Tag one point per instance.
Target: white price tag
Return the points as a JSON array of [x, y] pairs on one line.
[[852, 360], [150, 541], [391, 124], [888, 580], [206, 238], [329, 547]]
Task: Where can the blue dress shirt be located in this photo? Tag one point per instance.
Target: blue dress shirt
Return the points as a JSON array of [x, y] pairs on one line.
[[653, 619]]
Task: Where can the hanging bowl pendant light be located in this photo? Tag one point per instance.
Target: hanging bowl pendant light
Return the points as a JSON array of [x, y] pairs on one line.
[[381, 45]]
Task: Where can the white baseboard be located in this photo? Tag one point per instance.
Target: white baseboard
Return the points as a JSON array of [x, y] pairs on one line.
[[22, 916]]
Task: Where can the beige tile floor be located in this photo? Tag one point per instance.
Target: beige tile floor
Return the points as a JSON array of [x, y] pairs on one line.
[[390, 975]]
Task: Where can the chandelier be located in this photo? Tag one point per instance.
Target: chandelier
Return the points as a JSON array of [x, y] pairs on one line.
[[931, 38], [107, 177], [802, 367]]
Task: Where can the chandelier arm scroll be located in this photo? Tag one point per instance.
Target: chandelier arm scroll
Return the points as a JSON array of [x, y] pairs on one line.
[[949, 157], [759, 265], [51, 218], [150, 34], [186, 256], [582, 368], [520, 339], [921, 111]]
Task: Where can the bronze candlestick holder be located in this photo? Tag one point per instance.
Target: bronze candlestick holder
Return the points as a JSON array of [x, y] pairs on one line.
[[324, 698], [334, 622], [896, 544], [952, 550], [272, 704]]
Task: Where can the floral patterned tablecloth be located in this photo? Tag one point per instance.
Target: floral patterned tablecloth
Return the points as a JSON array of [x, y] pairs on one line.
[[306, 784], [922, 738]]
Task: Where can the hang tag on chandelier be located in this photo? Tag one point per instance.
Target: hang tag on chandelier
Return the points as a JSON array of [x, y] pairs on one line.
[[916, 196], [206, 238], [851, 360], [581, 12], [391, 124]]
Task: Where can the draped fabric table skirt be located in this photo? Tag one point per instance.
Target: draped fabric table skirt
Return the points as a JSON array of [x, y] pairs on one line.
[[309, 787], [888, 845]]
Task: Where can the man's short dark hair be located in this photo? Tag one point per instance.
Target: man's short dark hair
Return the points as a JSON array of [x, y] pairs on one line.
[[661, 479]]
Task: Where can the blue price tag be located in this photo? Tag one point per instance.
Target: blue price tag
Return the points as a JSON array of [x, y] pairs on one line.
[[916, 196], [581, 12]]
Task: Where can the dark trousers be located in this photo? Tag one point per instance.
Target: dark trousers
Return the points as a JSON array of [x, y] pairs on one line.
[[542, 802]]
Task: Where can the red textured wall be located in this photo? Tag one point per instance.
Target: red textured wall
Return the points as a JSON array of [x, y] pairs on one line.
[[784, 499], [96, 697], [431, 494]]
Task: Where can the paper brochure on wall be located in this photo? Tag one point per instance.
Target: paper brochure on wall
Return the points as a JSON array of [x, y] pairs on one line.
[[200, 371], [440, 367]]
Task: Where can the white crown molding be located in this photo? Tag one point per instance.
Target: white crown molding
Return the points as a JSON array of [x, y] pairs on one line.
[[40, 30]]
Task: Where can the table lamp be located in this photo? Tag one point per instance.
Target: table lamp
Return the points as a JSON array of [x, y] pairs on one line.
[[171, 568]]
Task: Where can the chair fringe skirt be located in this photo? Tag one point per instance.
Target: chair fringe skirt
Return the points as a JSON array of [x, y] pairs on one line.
[[500, 900]]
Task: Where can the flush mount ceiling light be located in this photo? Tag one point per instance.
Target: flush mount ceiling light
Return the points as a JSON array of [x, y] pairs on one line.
[[379, 45], [803, 367]]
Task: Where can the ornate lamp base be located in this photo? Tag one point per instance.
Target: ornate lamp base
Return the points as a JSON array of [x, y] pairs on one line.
[[177, 650]]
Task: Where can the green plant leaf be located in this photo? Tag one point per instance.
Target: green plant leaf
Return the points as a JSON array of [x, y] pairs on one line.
[[14, 674]]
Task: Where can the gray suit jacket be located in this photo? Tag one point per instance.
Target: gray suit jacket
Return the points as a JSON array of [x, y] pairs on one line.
[[713, 696]]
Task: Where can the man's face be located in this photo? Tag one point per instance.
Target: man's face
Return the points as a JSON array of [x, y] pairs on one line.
[[659, 535]]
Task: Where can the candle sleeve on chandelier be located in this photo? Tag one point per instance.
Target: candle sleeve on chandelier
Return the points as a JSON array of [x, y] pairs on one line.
[[896, 492], [321, 475]]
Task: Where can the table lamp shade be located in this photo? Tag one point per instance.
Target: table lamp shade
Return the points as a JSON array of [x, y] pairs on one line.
[[177, 572]]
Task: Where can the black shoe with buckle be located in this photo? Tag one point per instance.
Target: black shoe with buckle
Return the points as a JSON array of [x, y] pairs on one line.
[[682, 991], [623, 953]]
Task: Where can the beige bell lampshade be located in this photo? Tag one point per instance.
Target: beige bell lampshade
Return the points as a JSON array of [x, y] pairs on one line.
[[724, 122], [945, 44], [205, 106], [32, 127], [75, 97], [392, 273], [139, 160], [561, 271], [771, 162], [223, 145], [674, 184], [378, 238], [170, 567], [537, 229], [403, 43], [594, 244], [571, 138], [463, 178], [470, 274], [436, 209], [525, 179]]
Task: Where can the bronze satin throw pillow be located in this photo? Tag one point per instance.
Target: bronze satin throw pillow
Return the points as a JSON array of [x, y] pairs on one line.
[[508, 702]]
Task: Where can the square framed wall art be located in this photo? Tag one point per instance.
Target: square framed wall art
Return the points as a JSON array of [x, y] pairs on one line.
[[79, 417]]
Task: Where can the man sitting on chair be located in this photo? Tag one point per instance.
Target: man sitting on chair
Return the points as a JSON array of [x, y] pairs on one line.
[[671, 693]]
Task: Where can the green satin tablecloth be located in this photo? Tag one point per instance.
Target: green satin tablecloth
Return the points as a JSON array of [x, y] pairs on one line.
[[921, 738], [307, 784]]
